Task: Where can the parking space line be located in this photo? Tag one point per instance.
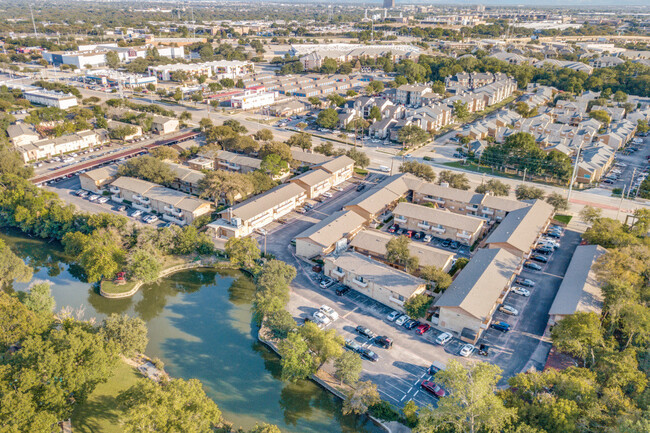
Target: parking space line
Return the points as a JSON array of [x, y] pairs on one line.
[[389, 396], [350, 312], [403, 398], [410, 389]]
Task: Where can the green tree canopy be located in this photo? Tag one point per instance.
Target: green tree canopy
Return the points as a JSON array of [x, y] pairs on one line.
[[419, 169], [128, 333]]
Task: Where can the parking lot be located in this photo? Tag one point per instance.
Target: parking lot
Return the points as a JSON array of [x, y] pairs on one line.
[[629, 168]]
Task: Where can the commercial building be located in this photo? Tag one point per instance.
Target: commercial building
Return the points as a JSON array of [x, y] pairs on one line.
[[95, 180], [376, 280], [109, 77], [50, 98], [242, 219], [330, 234], [518, 232], [217, 69], [580, 290], [169, 204], [256, 97], [467, 306], [94, 56], [372, 243], [440, 223]]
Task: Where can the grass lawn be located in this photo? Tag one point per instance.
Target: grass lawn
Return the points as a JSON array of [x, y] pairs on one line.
[[565, 219], [111, 287], [99, 414]]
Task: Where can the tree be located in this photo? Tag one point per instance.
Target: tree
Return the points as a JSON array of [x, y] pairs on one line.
[[185, 115], [17, 321], [455, 180], [112, 59], [264, 135], [165, 153], [12, 268], [398, 252], [419, 169], [243, 252], [328, 118], [348, 368], [314, 101], [471, 404], [143, 265], [278, 148], [301, 125], [495, 187], [374, 87], [280, 323], [558, 201], [328, 66], [236, 126], [361, 398], [375, 113], [301, 140], [437, 276], [361, 160], [324, 344], [411, 135], [39, 298], [578, 334], [417, 306], [590, 214], [297, 360], [148, 168], [175, 405], [620, 96], [129, 333], [228, 83], [642, 126], [265, 428], [274, 164], [336, 100], [524, 192], [205, 124], [601, 116], [460, 110], [220, 184]]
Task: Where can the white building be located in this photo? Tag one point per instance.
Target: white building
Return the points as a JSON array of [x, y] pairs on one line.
[[109, 77], [95, 55], [218, 69], [49, 147], [50, 98], [255, 97]]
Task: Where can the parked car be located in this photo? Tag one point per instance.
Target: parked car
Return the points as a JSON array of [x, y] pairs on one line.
[[362, 330], [308, 206], [401, 319], [446, 243], [422, 328], [433, 388], [326, 283], [102, 200], [543, 250], [532, 266], [383, 341], [369, 355], [521, 291], [301, 210], [501, 326], [93, 197], [150, 219], [443, 338], [553, 234], [329, 312], [327, 194], [417, 236], [454, 245], [427, 238], [466, 350], [361, 187], [121, 208], [136, 214], [393, 315], [524, 282], [508, 309], [394, 228], [341, 290], [408, 233], [539, 258], [411, 324], [433, 369], [352, 345], [320, 317]]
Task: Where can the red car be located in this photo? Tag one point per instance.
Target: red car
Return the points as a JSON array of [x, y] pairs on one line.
[[422, 328], [393, 228], [409, 233], [434, 388]]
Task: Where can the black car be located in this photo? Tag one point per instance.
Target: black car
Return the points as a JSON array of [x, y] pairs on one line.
[[340, 290], [412, 324], [524, 282], [532, 265], [369, 354], [361, 187], [383, 341], [553, 234], [362, 330], [433, 369], [446, 243], [544, 251], [408, 323], [539, 258], [417, 235], [454, 245]]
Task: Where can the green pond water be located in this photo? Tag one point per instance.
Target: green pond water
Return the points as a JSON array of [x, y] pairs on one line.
[[200, 325]]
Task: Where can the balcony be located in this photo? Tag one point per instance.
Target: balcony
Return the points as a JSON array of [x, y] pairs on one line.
[[400, 219], [173, 211], [360, 283], [488, 211], [464, 236], [439, 230], [424, 226], [117, 198], [139, 198], [143, 207], [179, 221], [338, 273], [114, 190], [435, 200]]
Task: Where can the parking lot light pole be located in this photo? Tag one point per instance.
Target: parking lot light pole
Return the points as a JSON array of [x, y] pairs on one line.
[[573, 175]]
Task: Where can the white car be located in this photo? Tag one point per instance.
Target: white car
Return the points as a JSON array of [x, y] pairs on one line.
[[326, 283], [466, 350], [136, 214], [329, 312], [327, 194], [401, 319], [93, 198], [427, 238], [521, 291], [509, 310], [102, 200], [320, 317], [443, 338], [392, 316]]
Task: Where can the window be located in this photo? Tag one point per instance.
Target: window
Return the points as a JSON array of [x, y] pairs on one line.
[[400, 297], [360, 279], [339, 270]]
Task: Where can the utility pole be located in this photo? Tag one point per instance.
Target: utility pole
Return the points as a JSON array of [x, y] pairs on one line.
[[523, 180], [573, 175], [33, 22], [620, 203], [631, 181]]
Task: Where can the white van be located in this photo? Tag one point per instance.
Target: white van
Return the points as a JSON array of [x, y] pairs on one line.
[[384, 168]]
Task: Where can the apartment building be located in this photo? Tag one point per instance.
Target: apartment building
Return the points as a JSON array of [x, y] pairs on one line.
[[383, 196], [21, 134], [467, 306], [95, 180], [376, 280], [169, 204], [50, 98], [315, 182], [49, 147], [187, 179], [253, 97], [411, 94], [255, 213], [441, 223], [333, 233], [340, 168]]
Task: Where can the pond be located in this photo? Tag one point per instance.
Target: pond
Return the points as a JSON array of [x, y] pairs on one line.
[[200, 325]]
